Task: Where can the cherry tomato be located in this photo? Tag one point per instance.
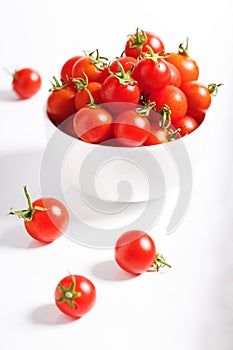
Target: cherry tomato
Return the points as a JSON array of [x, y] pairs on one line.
[[187, 67], [93, 124], [174, 98], [26, 82], [175, 78], [45, 220], [187, 125], [94, 67], [60, 103], [135, 251], [82, 97], [66, 70], [151, 74], [136, 43], [198, 96], [115, 91], [127, 63], [75, 295], [131, 129]]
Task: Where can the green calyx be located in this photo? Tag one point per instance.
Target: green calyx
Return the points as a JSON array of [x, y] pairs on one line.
[[165, 119], [138, 40], [69, 294], [158, 263], [82, 84], [56, 85], [145, 110], [213, 88], [99, 61], [151, 55], [27, 214], [183, 50], [123, 77]]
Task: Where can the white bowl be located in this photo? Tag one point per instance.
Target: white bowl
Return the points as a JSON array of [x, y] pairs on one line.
[[123, 174]]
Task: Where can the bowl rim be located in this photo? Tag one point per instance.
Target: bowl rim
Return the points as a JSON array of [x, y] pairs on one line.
[[134, 149]]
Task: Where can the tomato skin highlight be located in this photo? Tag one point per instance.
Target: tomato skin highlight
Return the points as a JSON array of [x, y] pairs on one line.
[[135, 251], [26, 82], [46, 226], [82, 303], [92, 124]]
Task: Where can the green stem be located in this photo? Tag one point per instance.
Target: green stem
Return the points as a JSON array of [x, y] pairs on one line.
[[26, 214]]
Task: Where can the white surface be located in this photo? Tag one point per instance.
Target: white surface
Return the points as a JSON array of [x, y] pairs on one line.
[[187, 307]]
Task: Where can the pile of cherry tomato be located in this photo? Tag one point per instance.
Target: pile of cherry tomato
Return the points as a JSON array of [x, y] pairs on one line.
[[144, 97]]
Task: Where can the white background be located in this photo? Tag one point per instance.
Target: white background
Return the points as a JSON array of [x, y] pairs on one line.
[[187, 307]]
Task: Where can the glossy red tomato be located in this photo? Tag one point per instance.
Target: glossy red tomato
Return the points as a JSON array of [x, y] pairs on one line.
[[94, 67], [93, 124], [26, 82], [66, 70], [187, 125], [187, 67], [45, 220], [82, 97], [75, 295], [127, 63], [131, 129], [174, 98], [198, 97], [151, 74], [60, 103], [136, 43], [113, 90], [135, 251]]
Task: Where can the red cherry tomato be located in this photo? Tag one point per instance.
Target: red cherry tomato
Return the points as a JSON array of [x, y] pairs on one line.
[[174, 98], [82, 97], [136, 43], [75, 295], [66, 70], [26, 82], [187, 67], [94, 68], [93, 124], [135, 251], [151, 74], [127, 63], [45, 220], [131, 129], [113, 90], [187, 125], [60, 103], [198, 96]]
